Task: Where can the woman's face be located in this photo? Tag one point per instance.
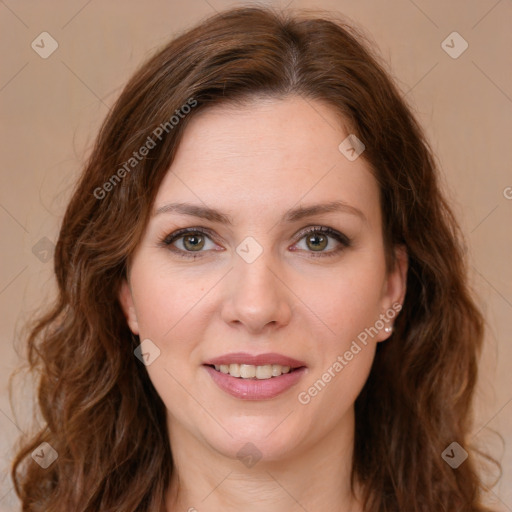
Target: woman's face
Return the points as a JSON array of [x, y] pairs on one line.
[[253, 287]]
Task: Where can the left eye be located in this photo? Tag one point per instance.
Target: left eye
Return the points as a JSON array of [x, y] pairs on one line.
[[317, 240]]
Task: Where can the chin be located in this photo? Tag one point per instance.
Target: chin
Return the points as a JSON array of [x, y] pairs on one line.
[[256, 440]]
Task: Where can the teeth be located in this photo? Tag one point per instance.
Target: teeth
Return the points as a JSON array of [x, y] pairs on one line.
[[264, 372], [234, 370], [249, 371], [277, 369]]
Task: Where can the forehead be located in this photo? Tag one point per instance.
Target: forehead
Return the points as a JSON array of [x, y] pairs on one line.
[[267, 155]]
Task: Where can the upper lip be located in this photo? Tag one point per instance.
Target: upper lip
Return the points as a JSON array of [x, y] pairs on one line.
[[256, 360]]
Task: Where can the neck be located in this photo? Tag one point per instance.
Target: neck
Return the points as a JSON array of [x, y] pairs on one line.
[[313, 477]]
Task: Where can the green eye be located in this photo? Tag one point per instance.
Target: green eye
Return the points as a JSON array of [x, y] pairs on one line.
[[191, 240], [318, 238]]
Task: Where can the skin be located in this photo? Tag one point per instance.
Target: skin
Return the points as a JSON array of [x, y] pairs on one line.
[[254, 163]]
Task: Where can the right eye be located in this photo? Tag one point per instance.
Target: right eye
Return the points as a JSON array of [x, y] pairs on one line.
[[188, 242]]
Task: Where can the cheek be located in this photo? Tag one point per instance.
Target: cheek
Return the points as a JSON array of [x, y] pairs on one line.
[[344, 351], [345, 300], [170, 311], [166, 298]]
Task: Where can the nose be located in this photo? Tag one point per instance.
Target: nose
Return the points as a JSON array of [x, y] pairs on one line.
[[257, 295]]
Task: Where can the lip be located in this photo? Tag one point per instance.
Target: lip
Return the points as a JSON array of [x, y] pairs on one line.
[[256, 360], [255, 389]]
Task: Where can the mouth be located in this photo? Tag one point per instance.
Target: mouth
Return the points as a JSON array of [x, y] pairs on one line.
[[254, 372], [255, 377]]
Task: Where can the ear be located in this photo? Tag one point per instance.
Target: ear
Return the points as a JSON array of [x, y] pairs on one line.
[[128, 307], [393, 290]]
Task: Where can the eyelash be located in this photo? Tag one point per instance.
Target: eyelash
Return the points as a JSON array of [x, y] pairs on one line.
[[345, 242]]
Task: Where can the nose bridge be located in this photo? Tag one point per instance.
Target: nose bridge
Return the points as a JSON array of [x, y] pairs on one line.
[[258, 276], [257, 296]]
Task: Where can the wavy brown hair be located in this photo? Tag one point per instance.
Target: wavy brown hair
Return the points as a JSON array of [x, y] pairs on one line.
[[101, 412]]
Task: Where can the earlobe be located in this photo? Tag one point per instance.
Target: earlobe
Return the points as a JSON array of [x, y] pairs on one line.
[[128, 307]]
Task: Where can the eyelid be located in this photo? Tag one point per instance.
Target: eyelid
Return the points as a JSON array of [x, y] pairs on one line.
[[325, 230], [171, 237]]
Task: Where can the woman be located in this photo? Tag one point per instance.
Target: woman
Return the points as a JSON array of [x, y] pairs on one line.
[[262, 293]]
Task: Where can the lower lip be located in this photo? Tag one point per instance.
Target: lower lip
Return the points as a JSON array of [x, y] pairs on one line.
[[255, 389]]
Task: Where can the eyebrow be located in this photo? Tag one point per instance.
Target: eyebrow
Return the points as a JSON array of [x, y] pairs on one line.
[[292, 215]]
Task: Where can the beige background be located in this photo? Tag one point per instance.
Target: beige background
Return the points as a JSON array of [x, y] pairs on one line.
[[51, 109]]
